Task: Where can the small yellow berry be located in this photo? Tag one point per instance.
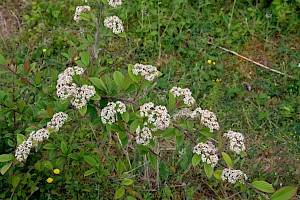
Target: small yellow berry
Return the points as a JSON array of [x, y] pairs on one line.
[[44, 50], [76, 58], [214, 63], [56, 171], [209, 61], [49, 180]]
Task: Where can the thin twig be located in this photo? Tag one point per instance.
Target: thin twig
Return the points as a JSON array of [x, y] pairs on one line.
[[139, 89], [97, 31], [19, 24], [254, 62]]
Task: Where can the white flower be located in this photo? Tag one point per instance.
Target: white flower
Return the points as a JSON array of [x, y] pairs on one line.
[[208, 153], [39, 135], [236, 141], [187, 99], [115, 24], [108, 113], [149, 72], [65, 88], [209, 119], [57, 121], [23, 150], [143, 137], [115, 3], [158, 116], [187, 113], [79, 10], [233, 175]]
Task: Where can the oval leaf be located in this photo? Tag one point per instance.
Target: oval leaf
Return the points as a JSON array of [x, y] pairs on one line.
[[5, 168], [127, 182], [227, 159], [209, 170], [119, 193], [89, 172], [6, 157], [284, 193], [263, 186], [90, 160], [196, 160], [119, 79], [64, 147]]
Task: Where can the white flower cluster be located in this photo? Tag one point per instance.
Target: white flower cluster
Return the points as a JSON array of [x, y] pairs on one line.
[[23, 149], [187, 99], [65, 88], [108, 113], [79, 10], [143, 137], [149, 72], [208, 153], [187, 113], [209, 119], [115, 3], [57, 121], [115, 24], [233, 175], [236, 141], [39, 135], [157, 116]]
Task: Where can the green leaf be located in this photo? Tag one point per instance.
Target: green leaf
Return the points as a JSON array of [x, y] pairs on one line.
[[5, 168], [90, 160], [171, 101], [123, 34], [6, 157], [153, 161], [119, 193], [284, 193], [74, 156], [134, 125], [263, 186], [209, 170], [98, 83], [91, 171], [120, 167], [125, 117], [119, 79], [85, 58], [170, 133], [196, 160], [206, 132], [83, 110], [127, 182], [64, 147], [49, 146], [15, 180], [227, 159], [47, 164], [2, 60], [217, 174], [20, 139]]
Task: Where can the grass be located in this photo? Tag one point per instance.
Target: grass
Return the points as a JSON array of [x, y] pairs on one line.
[[175, 36]]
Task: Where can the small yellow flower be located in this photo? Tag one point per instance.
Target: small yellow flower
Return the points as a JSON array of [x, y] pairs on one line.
[[76, 57], [214, 63], [209, 61], [49, 180], [56, 171], [218, 80], [44, 50]]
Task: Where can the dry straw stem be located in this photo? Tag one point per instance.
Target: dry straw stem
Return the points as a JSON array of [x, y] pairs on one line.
[[254, 62]]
